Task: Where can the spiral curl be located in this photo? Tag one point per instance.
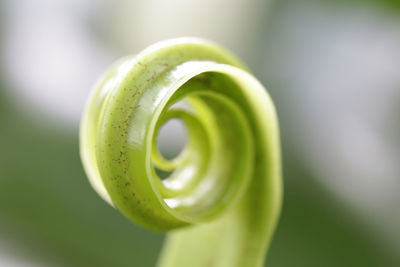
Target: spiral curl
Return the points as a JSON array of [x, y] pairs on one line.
[[225, 184]]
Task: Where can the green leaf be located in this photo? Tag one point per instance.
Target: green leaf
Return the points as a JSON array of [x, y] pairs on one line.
[[222, 200]]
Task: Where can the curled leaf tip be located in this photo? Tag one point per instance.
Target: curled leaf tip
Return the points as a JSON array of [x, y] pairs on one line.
[[222, 199]]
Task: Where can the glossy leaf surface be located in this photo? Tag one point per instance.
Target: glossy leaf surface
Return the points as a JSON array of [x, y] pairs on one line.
[[222, 199]]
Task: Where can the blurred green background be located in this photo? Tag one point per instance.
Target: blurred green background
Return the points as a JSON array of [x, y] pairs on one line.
[[332, 68]]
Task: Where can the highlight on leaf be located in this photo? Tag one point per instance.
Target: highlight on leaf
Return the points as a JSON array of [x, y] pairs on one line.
[[220, 197]]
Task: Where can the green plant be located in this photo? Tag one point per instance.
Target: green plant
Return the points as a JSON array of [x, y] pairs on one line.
[[222, 199]]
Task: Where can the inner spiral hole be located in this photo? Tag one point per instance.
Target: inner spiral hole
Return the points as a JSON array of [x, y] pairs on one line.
[[171, 139], [162, 174]]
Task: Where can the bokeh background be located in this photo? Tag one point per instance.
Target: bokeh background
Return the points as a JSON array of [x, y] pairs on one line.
[[332, 68]]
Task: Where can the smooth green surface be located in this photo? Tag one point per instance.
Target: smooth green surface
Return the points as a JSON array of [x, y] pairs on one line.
[[225, 188]]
